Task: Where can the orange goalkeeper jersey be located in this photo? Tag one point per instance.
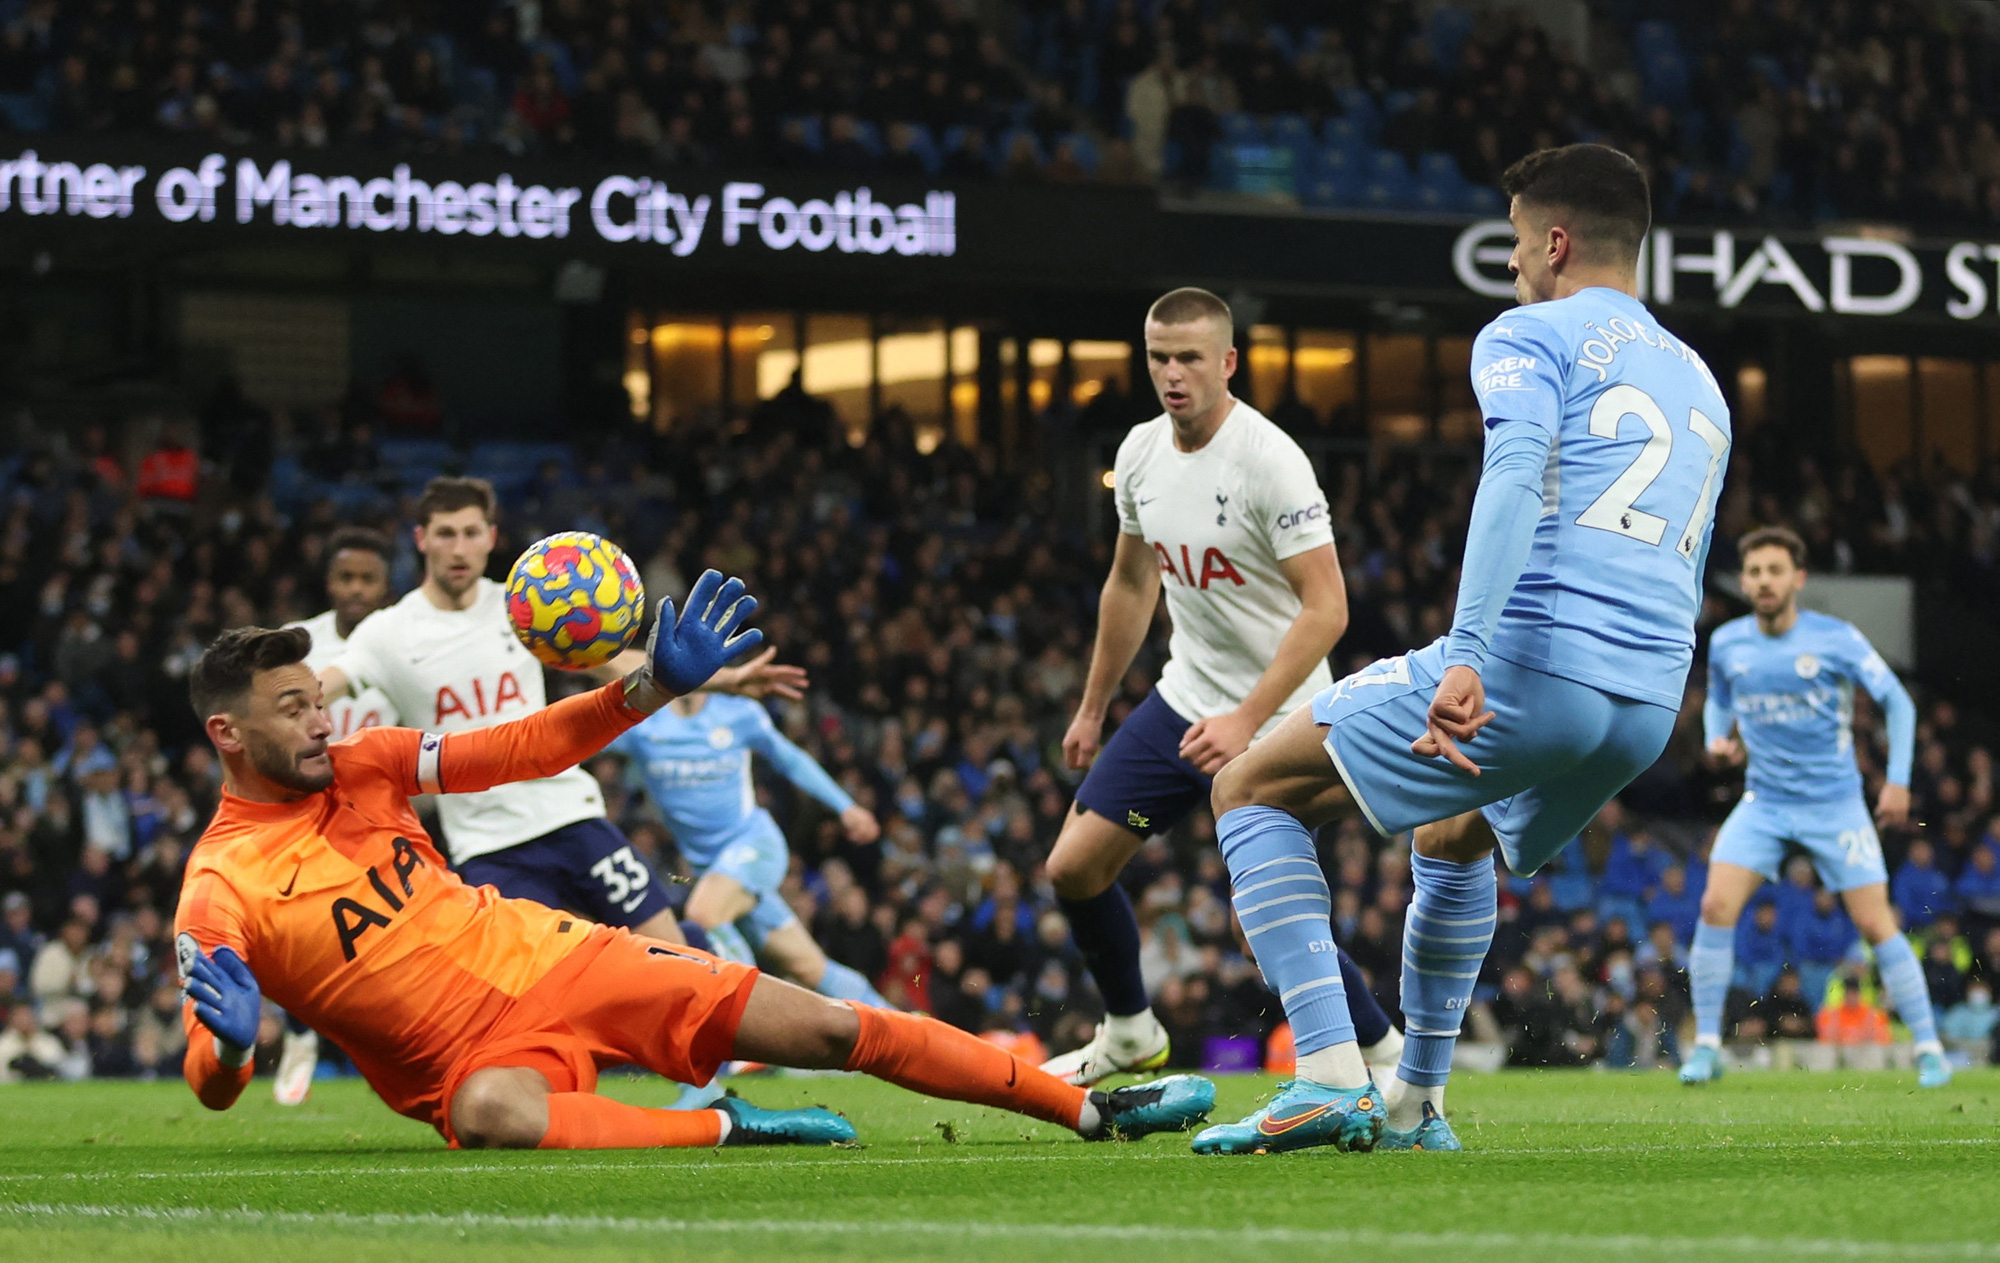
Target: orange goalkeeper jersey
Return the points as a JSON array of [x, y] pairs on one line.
[[352, 922]]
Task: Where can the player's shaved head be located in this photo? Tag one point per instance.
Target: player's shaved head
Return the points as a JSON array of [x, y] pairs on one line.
[[260, 705], [1187, 305], [1595, 192]]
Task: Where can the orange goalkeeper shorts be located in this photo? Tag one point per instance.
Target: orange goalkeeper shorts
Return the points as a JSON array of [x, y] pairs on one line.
[[617, 1000]]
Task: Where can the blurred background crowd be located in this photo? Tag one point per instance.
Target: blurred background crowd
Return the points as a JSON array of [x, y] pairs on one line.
[[1766, 110], [943, 603]]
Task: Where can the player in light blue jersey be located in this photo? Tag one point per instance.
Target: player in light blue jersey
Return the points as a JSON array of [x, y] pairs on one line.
[[1606, 441], [1781, 689], [694, 756]]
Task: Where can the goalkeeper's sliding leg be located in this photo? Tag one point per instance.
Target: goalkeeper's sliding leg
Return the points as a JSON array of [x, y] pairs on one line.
[[521, 1106]]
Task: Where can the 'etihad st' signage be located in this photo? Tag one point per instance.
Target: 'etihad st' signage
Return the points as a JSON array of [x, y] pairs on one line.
[[617, 209], [1846, 275]]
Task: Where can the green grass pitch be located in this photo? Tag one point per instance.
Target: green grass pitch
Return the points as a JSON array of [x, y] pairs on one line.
[[1560, 1165]]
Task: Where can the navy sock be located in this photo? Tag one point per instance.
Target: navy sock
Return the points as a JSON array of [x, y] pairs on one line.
[[295, 1026], [1371, 1024], [1107, 933]]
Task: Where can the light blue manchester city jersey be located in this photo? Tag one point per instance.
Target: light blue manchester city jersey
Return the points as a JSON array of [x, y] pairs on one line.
[[1791, 699], [697, 770], [1621, 428]]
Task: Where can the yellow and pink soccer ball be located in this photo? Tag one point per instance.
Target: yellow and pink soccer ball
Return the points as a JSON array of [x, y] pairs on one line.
[[575, 600]]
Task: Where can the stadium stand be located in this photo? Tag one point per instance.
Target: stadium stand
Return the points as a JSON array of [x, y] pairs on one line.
[[945, 619], [1739, 110]]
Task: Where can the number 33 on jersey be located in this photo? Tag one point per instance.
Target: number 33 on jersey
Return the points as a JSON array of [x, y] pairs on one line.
[[1638, 446]]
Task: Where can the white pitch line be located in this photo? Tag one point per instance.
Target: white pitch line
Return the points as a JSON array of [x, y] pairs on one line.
[[857, 1161], [1617, 1244]]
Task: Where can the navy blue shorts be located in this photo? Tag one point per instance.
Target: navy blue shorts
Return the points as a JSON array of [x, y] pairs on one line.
[[588, 868], [1140, 780]]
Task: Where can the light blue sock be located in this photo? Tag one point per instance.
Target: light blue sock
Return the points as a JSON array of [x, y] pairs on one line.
[[731, 945], [1711, 964], [1903, 979], [1287, 914], [1445, 939], [842, 983]]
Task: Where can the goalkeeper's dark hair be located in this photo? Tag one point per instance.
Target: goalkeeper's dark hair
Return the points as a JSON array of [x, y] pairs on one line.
[[222, 675], [361, 539], [1600, 192], [1774, 537]]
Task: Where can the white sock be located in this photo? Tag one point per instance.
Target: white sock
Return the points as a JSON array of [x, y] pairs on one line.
[[1130, 1028], [1406, 1102], [1337, 1067], [1386, 1051], [1088, 1119], [727, 1126], [1928, 1046]]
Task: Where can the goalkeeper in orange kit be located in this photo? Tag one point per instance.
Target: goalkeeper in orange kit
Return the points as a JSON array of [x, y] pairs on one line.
[[487, 1017]]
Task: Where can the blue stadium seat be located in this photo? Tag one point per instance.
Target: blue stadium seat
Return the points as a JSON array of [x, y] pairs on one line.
[[1346, 133], [1239, 128], [1262, 169], [25, 111], [1329, 189], [1291, 129], [1388, 186], [1396, 102], [1438, 167], [1356, 104], [815, 131], [869, 137], [1479, 199], [1665, 76], [435, 453], [1343, 164]]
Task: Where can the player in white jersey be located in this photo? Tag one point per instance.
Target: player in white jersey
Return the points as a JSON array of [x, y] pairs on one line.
[[357, 584], [447, 658], [1221, 508]]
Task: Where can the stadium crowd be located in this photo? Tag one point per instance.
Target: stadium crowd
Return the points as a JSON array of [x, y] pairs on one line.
[[945, 614], [1739, 109]]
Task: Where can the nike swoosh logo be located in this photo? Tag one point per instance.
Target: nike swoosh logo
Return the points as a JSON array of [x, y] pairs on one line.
[[1279, 1126], [1149, 499], [1013, 1072], [287, 891]]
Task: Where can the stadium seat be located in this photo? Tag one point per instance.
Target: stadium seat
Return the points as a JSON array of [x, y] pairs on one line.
[[435, 453], [1357, 105], [1478, 199], [1397, 102], [25, 111], [869, 137], [1346, 133], [1261, 169], [1239, 128]]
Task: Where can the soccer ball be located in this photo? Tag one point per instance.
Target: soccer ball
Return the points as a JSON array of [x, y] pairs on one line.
[[575, 600]]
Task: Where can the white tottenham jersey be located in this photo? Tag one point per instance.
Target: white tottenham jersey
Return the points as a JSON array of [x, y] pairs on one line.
[[362, 707], [1220, 520], [449, 670]]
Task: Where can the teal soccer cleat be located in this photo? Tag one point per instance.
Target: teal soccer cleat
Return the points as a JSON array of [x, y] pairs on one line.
[[1302, 1116], [1432, 1135], [1705, 1066], [1933, 1071], [749, 1125], [1174, 1103]]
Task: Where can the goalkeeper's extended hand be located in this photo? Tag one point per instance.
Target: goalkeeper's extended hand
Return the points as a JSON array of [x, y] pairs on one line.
[[684, 651], [226, 998]]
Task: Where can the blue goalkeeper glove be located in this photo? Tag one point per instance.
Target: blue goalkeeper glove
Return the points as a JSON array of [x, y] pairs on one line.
[[225, 997], [684, 651]]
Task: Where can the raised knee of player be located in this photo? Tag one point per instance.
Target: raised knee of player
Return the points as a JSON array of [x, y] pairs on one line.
[[500, 1107], [1080, 866]]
